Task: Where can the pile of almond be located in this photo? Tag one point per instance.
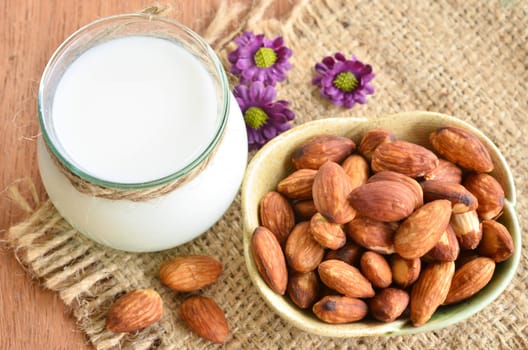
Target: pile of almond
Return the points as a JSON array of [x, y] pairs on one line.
[[141, 308], [385, 229]]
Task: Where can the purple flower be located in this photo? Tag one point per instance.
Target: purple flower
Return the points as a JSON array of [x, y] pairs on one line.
[[264, 117], [259, 58], [345, 82]]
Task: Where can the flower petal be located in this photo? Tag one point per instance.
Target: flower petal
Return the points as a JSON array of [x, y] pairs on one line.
[[339, 56]]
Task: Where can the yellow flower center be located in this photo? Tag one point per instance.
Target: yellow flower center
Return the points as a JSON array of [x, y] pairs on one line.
[[255, 117], [345, 81], [265, 57]]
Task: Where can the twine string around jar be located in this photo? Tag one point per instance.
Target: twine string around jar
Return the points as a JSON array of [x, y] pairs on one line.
[[136, 195]]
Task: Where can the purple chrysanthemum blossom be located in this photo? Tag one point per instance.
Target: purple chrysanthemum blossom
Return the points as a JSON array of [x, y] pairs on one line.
[[264, 117], [259, 58], [345, 82]]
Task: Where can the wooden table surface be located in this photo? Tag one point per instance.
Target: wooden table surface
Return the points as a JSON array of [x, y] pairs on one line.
[[30, 30]]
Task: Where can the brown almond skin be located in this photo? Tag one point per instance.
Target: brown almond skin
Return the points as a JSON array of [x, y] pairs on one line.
[[467, 229], [430, 291], [320, 149], [405, 271], [357, 168], [135, 310], [302, 251], [190, 272], [372, 234], [349, 253], [389, 304], [404, 157], [489, 193], [461, 147], [447, 248], [304, 209], [469, 279], [496, 242], [404, 179], [372, 139], [420, 232], [269, 259], [461, 199], [337, 309], [326, 233], [345, 279], [330, 190], [277, 215], [385, 201], [446, 171], [376, 269], [203, 316], [303, 289], [298, 185]]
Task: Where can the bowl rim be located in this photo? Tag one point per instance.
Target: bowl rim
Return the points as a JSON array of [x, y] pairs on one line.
[[443, 317]]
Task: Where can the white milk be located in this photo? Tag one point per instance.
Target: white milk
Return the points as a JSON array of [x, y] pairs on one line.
[[134, 110]]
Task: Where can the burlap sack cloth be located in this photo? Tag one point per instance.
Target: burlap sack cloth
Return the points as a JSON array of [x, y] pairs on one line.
[[464, 58]]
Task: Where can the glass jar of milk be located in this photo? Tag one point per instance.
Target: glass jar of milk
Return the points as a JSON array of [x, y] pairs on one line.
[[143, 146]]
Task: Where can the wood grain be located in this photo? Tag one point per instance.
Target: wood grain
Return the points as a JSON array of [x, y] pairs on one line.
[[30, 30]]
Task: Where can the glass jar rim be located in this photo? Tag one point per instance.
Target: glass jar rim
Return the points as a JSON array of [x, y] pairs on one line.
[[224, 112]]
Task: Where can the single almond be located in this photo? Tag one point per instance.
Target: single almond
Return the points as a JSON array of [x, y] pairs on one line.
[[385, 201], [469, 279], [420, 232], [349, 253], [404, 179], [496, 242], [404, 157], [269, 259], [337, 309], [376, 269], [277, 215], [302, 251], [357, 168], [190, 272], [304, 209], [205, 318], [326, 233], [405, 271], [446, 171], [345, 279], [372, 234], [303, 289], [298, 185], [461, 147], [388, 304], [447, 248], [489, 193], [430, 291], [467, 229], [330, 190], [320, 149], [461, 199], [372, 139], [135, 310]]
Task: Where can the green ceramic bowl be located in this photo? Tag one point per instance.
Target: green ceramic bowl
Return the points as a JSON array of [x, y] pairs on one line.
[[272, 163]]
